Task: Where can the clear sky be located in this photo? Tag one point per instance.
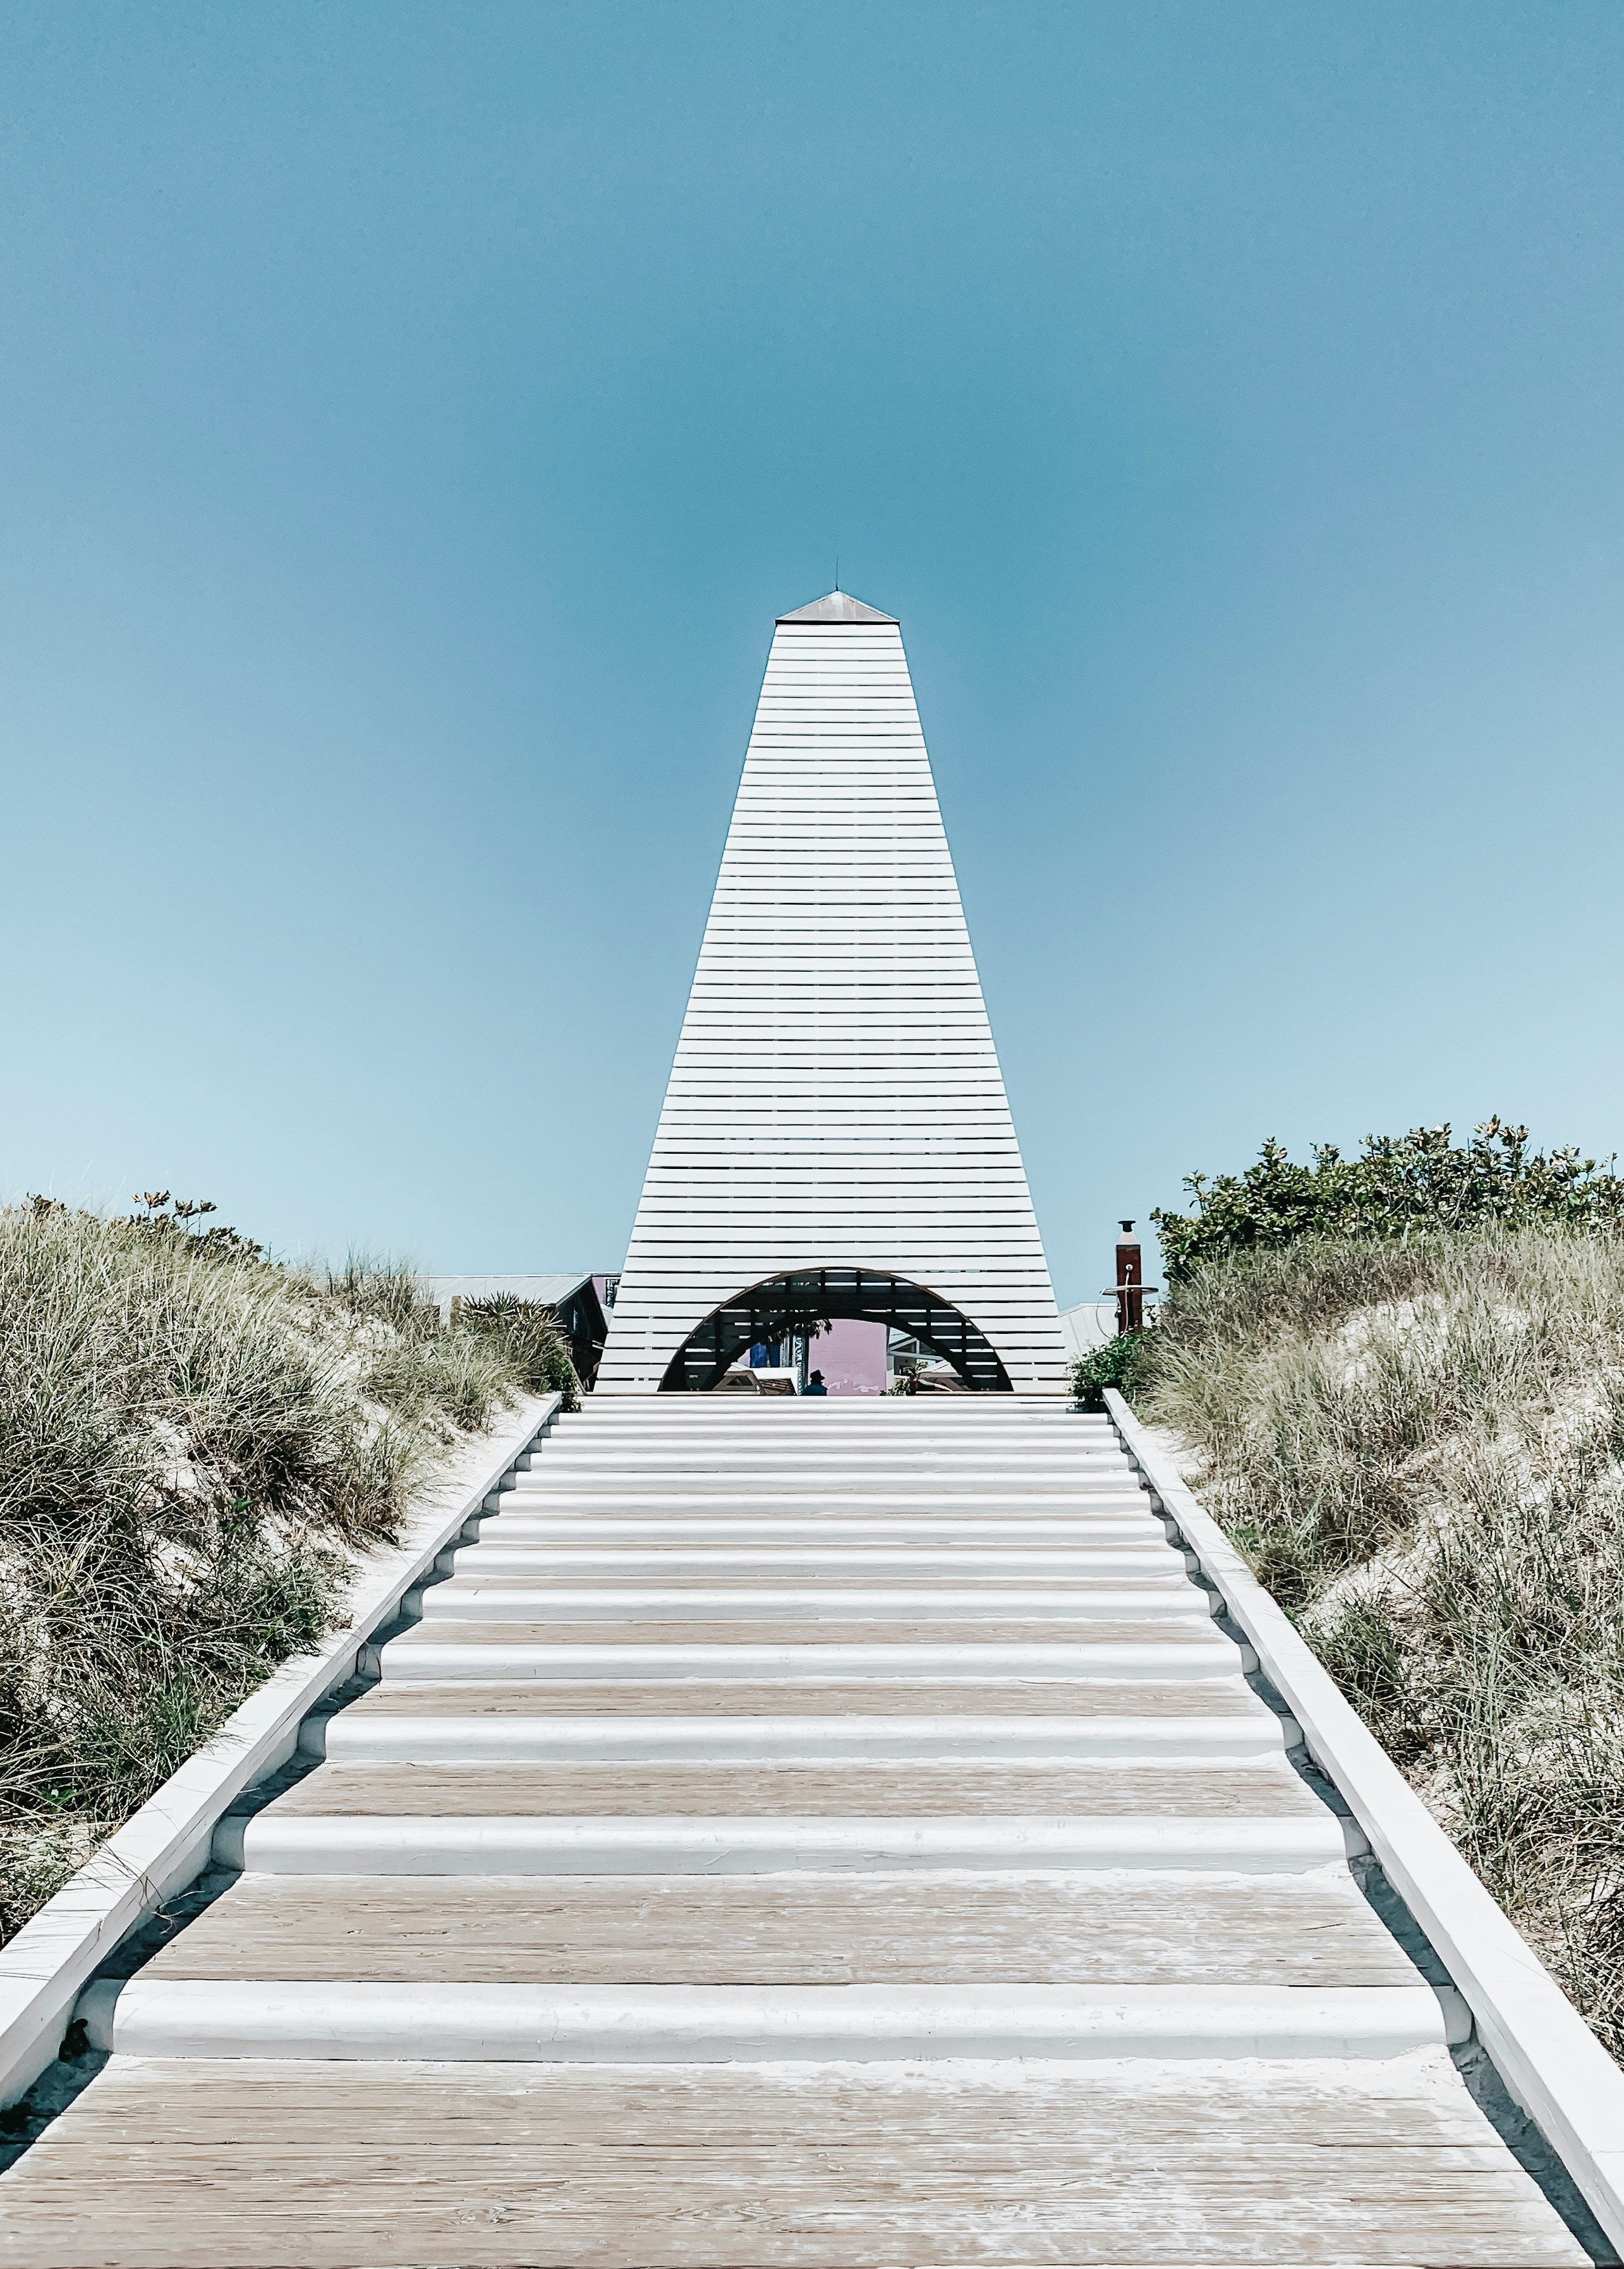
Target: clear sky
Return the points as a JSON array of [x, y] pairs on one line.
[[412, 418]]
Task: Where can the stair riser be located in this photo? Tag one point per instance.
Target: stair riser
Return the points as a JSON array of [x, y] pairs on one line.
[[416, 1662], [998, 1477], [1020, 1409], [354, 1739], [971, 1514], [298, 1844], [807, 1490], [462, 1599], [524, 1522], [1148, 1564], [1024, 1443], [879, 1454], [698, 2025], [838, 1425]]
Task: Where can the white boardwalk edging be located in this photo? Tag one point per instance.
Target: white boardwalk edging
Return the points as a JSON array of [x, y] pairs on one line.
[[166, 1844], [1541, 2047]]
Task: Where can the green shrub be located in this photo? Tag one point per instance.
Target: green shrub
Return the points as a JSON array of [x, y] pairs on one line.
[[1420, 1450], [1401, 1185], [193, 1440], [1117, 1362]]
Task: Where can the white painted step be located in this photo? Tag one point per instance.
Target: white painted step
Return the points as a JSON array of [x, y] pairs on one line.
[[534, 1493], [697, 2024], [822, 1418], [1151, 1561], [834, 1465], [682, 1844], [908, 1487], [816, 1441], [1202, 1654], [854, 1450], [883, 1445], [469, 1599], [812, 1443], [831, 1414], [354, 1737], [530, 1523], [1016, 1409]]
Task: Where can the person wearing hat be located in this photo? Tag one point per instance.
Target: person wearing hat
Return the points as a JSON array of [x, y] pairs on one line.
[[815, 1384]]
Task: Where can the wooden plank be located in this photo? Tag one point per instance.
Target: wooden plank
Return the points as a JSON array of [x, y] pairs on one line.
[[217, 2166], [1307, 1931], [1128, 1788]]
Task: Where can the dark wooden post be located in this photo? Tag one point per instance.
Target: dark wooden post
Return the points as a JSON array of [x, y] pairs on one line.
[[1130, 1277]]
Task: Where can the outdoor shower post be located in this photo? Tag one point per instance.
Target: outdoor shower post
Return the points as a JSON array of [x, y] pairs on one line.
[[1130, 1282]]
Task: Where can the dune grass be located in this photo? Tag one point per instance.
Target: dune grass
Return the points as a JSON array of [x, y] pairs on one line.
[[195, 1443], [1421, 1449]]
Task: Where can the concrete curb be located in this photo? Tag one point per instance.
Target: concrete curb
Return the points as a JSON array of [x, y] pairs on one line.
[[166, 1844], [708, 2024], [1543, 2050]]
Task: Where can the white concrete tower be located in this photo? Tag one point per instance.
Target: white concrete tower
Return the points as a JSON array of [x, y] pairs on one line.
[[836, 1113]]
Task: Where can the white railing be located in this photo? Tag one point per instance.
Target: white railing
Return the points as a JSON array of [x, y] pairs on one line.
[[1544, 2052]]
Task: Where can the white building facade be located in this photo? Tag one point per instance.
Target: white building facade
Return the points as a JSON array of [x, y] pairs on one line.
[[836, 1139]]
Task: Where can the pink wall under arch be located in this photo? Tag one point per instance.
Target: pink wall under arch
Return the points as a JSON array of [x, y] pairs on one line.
[[851, 1354]]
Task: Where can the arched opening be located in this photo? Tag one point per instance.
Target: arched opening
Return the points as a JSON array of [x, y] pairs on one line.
[[794, 1305]]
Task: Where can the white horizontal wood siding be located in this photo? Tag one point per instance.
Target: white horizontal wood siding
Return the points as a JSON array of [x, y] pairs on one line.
[[836, 1099]]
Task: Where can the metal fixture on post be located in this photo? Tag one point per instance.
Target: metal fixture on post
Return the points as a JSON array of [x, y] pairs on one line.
[[1130, 1290], [1130, 1277]]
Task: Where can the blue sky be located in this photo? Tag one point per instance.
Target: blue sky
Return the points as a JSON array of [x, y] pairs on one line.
[[412, 418]]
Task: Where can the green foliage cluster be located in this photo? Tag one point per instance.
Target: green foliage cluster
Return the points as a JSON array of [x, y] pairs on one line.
[[1119, 1362], [194, 1442], [1420, 1448], [1399, 1186]]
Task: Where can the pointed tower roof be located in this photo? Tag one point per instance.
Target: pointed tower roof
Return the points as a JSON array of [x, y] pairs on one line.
[[836, 1103], [837, 607]]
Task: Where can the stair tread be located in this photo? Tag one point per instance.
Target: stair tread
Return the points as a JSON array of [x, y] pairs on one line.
[[878, 1790], [1308, 1929], [179, 2164]]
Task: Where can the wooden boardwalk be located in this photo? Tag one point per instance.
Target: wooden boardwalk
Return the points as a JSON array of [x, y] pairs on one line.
[[829, 1834]]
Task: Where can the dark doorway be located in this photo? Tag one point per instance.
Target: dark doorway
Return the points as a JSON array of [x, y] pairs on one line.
[[792, 1306]]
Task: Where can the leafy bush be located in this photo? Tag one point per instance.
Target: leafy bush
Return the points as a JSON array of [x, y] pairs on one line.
[[1420, 1450], [192, 1441], [1402, 1185], [1117, 1362]]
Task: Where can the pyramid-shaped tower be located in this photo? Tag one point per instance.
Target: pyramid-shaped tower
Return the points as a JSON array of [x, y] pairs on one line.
[[836, 1113]]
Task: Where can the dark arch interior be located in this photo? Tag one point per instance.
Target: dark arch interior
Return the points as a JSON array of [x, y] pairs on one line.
[[792, 1306]]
